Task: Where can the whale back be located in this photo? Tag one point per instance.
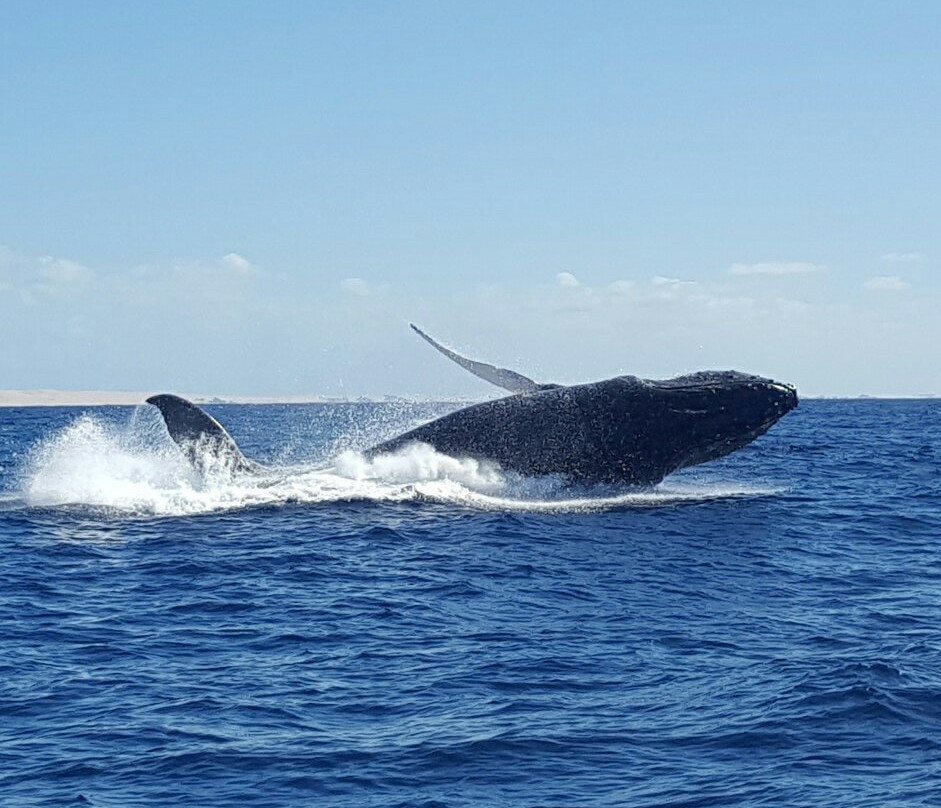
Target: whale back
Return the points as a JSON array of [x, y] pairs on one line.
[[623, 430]]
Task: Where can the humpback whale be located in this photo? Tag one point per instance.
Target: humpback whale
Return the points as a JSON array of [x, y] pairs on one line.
[[621, 431]]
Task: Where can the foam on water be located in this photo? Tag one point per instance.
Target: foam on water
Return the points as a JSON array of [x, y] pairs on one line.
[[136, 469]]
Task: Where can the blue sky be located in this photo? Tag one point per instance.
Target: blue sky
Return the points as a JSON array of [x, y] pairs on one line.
[[255, 198]]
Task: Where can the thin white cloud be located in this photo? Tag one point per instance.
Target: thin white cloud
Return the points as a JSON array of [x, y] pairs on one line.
[[567, 279], [355, 286], [217, 290], [669, 289], [44, 276], [61, 271], [659, 280], [650, 326], [886, 283], [622, 287], [901, 257], [58, 277], [216, 276], [776, 268], [238, 264]]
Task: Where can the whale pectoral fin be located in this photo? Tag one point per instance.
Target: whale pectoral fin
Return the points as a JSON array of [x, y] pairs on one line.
[[200, 436], [501, 377]]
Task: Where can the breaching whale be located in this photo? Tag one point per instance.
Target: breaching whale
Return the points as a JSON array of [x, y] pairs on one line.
[[622, 431]]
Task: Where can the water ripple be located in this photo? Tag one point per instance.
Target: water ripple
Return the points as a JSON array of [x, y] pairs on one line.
[[761, 632]]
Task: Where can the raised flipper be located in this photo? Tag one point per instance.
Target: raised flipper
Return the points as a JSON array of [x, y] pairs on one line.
[[501, 377], [201, 437]]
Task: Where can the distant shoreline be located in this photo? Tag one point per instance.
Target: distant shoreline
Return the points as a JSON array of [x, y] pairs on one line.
[[122, 398]]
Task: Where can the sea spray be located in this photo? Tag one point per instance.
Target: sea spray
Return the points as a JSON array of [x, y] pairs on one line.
[[93, 462], [133, 468], [420, 463]]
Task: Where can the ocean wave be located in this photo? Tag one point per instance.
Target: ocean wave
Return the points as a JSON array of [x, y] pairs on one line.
[[135, 469]]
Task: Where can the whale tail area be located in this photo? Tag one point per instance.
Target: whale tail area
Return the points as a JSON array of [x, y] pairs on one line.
[[201, 437]]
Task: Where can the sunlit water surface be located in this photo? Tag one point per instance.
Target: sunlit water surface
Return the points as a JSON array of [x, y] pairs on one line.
[[418, 630]]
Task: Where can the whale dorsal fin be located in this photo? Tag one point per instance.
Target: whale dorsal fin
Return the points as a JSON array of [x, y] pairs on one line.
[[201, 437], [501, 377]]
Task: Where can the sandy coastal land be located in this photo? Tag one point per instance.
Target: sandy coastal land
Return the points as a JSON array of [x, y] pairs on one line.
[[67, 398], [104, 398], [100, 398]]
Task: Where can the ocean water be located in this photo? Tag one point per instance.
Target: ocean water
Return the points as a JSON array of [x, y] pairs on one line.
[[417, 631]]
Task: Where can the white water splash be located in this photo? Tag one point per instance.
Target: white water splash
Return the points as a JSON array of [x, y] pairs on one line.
[[135, 469], [420, 463]]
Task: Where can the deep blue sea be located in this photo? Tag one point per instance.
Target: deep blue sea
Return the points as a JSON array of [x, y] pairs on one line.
[[417, 631]]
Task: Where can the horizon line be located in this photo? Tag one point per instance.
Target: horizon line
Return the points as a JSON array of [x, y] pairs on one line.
[[45, 397]]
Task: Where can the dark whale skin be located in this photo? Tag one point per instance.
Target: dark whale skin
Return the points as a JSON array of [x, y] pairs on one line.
[[625, 430], [622, 431]]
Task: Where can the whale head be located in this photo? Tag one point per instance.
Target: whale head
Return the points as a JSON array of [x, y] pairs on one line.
[[706, 415]]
